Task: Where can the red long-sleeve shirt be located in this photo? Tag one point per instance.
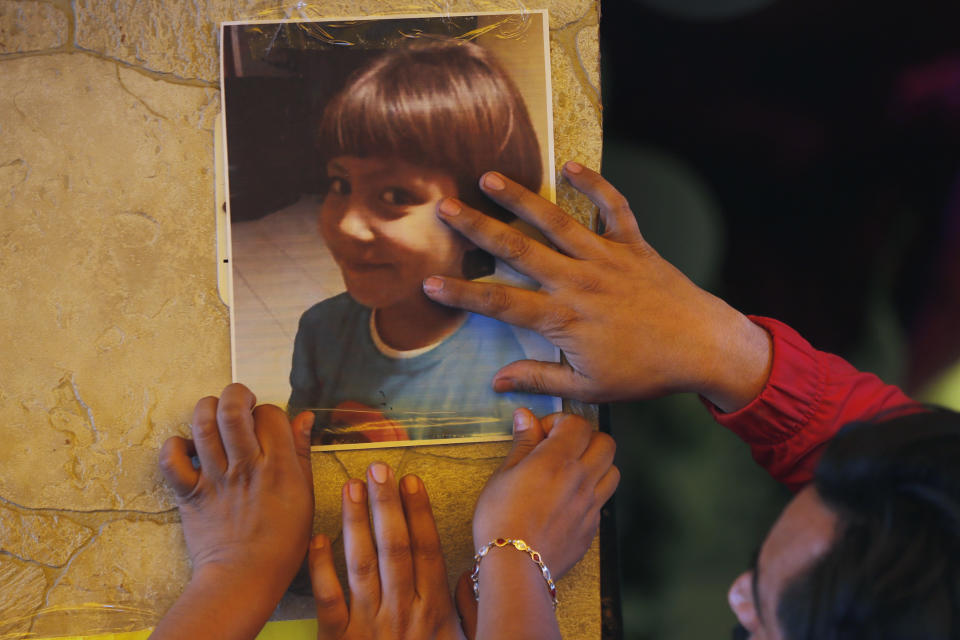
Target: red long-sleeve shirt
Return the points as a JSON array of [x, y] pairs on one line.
[[808, 397]]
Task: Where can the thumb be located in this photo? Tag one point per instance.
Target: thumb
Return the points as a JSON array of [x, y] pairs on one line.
[[527, 434], [534, 376], [302, 426], [466, 605], [175, 463]]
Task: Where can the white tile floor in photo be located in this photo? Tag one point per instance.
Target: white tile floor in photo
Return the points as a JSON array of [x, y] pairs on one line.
[[280, 269]]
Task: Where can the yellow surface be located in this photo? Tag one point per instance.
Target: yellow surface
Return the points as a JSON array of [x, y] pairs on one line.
[[945, 391], [282, 630]]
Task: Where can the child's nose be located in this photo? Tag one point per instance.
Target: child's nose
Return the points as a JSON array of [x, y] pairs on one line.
[[355, 224]]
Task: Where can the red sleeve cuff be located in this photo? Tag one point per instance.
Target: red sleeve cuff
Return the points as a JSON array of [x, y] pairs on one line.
[[789, 398]]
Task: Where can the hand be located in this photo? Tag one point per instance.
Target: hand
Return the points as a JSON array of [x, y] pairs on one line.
[[548, 493], [550, 488], [250, 504], [629, 323], [246, 511], [397, 576]]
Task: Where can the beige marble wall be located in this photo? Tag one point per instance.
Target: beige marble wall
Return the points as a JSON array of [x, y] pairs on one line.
[[109, 306]]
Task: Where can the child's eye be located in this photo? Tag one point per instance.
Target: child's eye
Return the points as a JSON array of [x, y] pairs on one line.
[[400, 197], [339, 186]]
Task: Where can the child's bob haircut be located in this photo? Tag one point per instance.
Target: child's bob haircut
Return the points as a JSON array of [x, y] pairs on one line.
[[442, 103]]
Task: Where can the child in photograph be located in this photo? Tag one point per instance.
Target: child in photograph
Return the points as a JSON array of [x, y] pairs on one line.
[[382, 362]]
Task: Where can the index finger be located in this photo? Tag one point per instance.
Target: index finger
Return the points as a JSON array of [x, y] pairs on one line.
[[235, 418], [511, 245], [598, 456], [512, 305], [206, 437], [568, 435]]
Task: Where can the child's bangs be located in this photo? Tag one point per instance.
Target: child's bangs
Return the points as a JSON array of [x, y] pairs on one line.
[[444, 105], [369, 121]]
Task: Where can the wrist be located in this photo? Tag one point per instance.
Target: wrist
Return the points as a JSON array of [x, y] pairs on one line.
[[220, 602], [515, 601], [522, 547], [250, 587], [740, 364]]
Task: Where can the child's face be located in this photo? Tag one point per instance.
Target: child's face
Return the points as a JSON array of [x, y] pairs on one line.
[[379, 222]]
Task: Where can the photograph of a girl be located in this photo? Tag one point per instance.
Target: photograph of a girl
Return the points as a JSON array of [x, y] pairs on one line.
[[380, 364]]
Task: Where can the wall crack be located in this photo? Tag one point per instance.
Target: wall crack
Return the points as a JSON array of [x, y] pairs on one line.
[[145, 106], [119, 513], [151, 73]]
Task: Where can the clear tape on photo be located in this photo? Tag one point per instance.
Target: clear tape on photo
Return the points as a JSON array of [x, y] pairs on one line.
[[507, 28]]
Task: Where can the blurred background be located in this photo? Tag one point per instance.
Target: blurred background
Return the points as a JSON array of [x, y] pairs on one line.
[[801, 159]]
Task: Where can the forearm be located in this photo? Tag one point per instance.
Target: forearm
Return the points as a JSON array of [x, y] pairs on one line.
[[514, 600], [221, 607]]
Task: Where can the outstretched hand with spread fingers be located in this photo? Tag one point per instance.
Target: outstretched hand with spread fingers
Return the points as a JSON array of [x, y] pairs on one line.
[[630, 324]]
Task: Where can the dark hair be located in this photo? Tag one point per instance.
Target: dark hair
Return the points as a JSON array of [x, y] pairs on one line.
[[442, 103], [892, 572]]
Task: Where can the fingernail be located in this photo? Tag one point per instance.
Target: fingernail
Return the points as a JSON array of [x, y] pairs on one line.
[[308, 424], [493, 181], [521, 420], [573, 167], [318, 542], [433, 284], [450, 207], [379, 472], [355, 489], [502, 385], [735, 598], [411, 484]]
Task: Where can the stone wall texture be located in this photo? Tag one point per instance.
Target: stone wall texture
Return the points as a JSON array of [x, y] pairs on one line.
[[110, 308]]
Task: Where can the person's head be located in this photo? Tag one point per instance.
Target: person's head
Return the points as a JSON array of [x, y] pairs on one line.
[[418, 124], [870, 550]]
